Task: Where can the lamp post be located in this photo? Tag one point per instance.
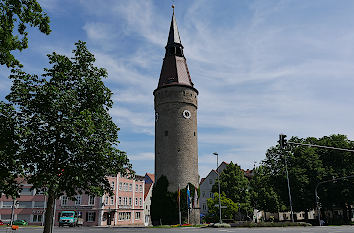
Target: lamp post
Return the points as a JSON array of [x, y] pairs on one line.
[[217, 165]]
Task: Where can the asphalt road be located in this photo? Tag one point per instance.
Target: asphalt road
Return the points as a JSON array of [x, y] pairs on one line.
[[339, 229]]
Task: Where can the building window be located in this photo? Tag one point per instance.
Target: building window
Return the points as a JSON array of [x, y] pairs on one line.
[[141, 188], [120, 200], [39, 204], [90, 216], [26, 191], [204, 206], [136, 188], [37, 218], [106, 200], [125, 187], [136, 201], [112, 185], [130, 201], [140, 202], [120, 186], [78, 200], [210, 181], [166, 133], [25, 204], [64, 200], [125, 201], [112, 200], [7, 204], [203, 193], [211, 195], [122, 216], [137, 215], [130, 187], [91, 200]]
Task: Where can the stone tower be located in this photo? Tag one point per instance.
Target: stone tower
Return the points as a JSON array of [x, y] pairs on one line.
[[176, 144]]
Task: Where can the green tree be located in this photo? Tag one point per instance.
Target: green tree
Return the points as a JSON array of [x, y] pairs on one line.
[[164, 208], [263, 195], [9, 161], [337, 164], [67, 139], [229, 212], [164, 204], [307, 166], [304, 168], [234, 185], [17, 15]]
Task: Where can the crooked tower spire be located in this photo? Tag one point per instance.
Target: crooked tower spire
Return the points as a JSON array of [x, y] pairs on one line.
[[174, 69]]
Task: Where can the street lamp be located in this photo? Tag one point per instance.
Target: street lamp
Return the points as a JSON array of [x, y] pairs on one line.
[[217, 165]]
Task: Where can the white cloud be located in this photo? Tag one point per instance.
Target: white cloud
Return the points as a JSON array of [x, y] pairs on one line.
[[143, 156]]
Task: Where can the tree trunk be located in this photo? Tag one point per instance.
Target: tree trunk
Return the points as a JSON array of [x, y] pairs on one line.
[[350, 212], [48, 221], [345, 213]]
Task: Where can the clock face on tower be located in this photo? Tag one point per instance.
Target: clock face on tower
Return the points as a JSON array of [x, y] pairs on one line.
[[186, 114]]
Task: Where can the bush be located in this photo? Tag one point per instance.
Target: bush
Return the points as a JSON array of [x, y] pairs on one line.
[[219, 225]]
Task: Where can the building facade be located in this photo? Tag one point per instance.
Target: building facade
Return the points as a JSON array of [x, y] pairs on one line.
[[124, 207], [30, 206], [206, 184]]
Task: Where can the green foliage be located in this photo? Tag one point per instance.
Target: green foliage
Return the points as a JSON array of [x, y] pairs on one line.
[[9, 162], [235, 186], [229, 212], [67, 141], [263, 195], [307, 166], [164, 204], [17, 15]]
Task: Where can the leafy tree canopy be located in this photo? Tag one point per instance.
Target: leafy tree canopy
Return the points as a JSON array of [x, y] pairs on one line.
[[67, 139], [9, 161], [229, 212], [15, 17], [263, 195], [164, 204], [233, 184], [307, 166]]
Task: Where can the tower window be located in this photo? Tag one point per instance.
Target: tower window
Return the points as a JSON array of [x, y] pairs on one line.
[[166, 133], [194, 133]]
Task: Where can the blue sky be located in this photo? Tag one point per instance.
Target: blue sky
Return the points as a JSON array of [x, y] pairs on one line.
[[261, 67]]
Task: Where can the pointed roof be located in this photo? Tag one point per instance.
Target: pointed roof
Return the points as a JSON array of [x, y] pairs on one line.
[[174, 69], [173, 36]]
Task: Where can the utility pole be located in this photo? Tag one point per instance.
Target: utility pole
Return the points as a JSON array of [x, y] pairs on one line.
[[217, 165], [283, 143]]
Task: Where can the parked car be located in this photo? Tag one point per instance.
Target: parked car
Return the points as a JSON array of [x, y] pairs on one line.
[[1, 222], [70, 218], [20, 222]]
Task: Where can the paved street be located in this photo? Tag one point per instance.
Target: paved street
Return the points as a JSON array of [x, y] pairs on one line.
[[341, 229]]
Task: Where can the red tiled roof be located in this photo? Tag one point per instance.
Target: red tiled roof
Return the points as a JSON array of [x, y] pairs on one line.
[[152, 176], [147, 189]]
